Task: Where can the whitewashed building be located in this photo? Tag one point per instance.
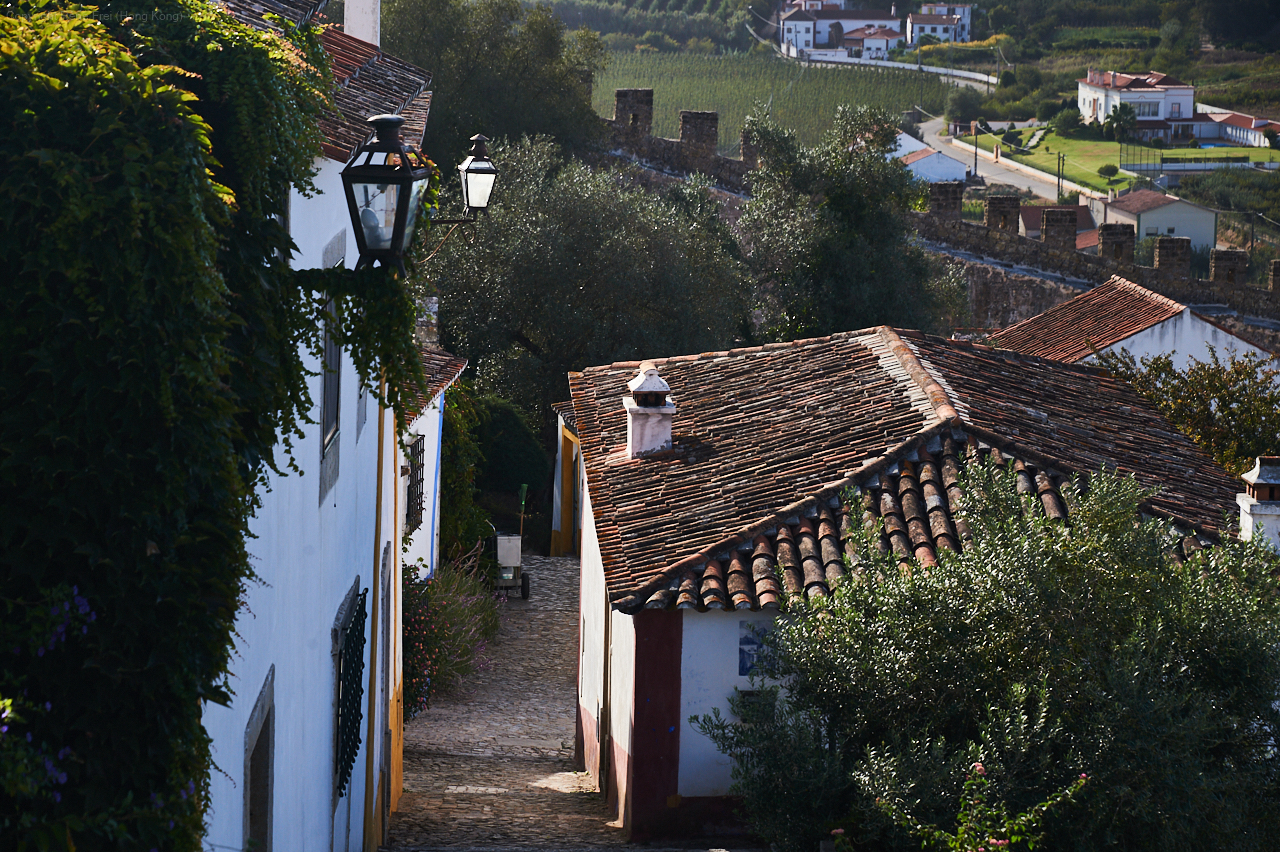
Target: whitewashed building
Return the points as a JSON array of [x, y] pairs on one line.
[[700, 528], [963, 14], [308, 753], [1122, 315], [1155, 214]]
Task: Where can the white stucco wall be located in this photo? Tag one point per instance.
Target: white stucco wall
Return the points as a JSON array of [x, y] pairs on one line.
[[591, 614], [1185, 336], [622, 678], [424, 544], [307, 553], [709, 673]]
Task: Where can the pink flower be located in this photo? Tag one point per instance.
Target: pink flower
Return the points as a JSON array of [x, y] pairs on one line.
[[978, 768], [1083, 777], [995, 842], [837, 831]]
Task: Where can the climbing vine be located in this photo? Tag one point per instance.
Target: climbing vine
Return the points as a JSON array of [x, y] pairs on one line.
[[152, 344]]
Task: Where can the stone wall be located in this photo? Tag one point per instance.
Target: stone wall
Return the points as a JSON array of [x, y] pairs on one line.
[[1058, 227], [1116, 241], [1012, 248], [1228, 266], [695, 151], [998, 298], [1001, 213]]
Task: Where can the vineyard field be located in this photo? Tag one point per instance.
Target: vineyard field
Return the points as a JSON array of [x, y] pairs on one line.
[[802, 98]]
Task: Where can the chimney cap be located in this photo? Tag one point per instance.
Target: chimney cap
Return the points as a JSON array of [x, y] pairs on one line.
[[647, 380], [1266, 471]]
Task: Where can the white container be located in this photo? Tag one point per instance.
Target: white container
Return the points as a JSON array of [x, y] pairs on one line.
[[509, 551]]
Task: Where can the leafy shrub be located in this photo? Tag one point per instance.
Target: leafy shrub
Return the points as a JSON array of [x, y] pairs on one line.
[[1108, 170], [448, 622], [1044, 651]]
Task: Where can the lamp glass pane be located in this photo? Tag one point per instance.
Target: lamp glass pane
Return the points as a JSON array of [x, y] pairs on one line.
[[415, 203], [377, 205], [480, 186]]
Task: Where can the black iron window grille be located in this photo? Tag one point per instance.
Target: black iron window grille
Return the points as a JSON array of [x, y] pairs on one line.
[[350, 677], [413, 507]]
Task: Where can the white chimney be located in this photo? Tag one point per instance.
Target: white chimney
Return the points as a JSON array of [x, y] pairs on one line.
[[1260, 504], [363, 20], [649, 412]]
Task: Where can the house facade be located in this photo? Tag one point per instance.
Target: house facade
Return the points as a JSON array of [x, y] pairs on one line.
[[309, 750], [797, 30], [1122, 315], [872, 42], [1155, 214], [1164, 106], [944, 28], [720, 489], [963, 14]]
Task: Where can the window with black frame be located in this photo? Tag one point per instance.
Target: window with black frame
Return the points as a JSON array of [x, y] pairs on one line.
[[349, 679], [414, 501]]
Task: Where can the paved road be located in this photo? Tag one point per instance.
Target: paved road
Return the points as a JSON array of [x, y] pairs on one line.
[[992, 172], [491, 767]]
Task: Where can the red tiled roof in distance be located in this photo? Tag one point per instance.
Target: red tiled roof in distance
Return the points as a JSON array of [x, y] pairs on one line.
[[1033, 215], [1099, 318], [767, 436], [441, 370], [1087, 239], [917, 155], [1142, 200], [948, 20]]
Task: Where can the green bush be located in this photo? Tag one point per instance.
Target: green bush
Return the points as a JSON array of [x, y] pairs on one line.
[[1108, 170], [448, 622], [1044, 651]]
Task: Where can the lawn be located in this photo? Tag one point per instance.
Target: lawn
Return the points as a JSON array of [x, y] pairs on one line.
[[1084, 156]]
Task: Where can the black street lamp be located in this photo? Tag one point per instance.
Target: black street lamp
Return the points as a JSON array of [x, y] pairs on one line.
[[384, 191]]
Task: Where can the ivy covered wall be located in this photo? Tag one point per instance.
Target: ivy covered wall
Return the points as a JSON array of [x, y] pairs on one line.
[[150, 340]]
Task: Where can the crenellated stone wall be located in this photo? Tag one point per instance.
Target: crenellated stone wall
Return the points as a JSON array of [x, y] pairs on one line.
[[1095, 269], [1002, 212], [1173, 256], [1228, 267], [695, 151], [946, 198], [1058, 227], [1116, 241]]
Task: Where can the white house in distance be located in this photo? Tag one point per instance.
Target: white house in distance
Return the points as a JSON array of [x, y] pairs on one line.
[[942, 27], [963, 14], [797, 29], [824, 18], [933, 166], [1155, 214], [1122, 315], [724, 509], [872, 42], [309, 751]]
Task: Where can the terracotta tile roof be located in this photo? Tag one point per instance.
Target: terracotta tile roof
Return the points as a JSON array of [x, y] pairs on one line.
[[252, 12], [1033, 215], [565, 410], [851, 15], [1098, 318], [769, 436], [1142, 200], [441, 370], [949, 20], [916, 156], [873, 32], [798, 15], [1087, 239], [369, 81], [1116, 80]]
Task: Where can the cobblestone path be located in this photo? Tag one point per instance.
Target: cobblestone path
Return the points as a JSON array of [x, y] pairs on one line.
[[491, 767]]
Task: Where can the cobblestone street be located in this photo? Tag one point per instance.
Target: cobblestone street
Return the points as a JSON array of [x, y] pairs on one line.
[[491, 766]]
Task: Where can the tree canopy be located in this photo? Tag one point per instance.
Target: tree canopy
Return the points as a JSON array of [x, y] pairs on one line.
[[1045, 650], [1230, 407], [575, 267], [825, 231], [498, 68]]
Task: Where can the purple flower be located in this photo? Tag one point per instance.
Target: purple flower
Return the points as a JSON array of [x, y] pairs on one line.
[[57, 797]]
